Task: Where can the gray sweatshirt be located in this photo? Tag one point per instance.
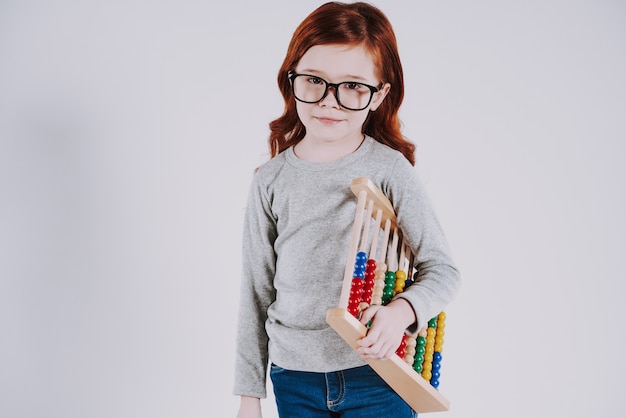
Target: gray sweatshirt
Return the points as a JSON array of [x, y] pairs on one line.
[[296, 235]]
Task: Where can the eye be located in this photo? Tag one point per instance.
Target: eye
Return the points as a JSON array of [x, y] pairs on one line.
[[315, 80], [350, 85]]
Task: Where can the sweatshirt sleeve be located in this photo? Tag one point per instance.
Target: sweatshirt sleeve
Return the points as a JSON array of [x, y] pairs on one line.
[[256, 294], [436, 276]]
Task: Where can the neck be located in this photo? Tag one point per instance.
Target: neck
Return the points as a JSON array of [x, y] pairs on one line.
[[319, 151]]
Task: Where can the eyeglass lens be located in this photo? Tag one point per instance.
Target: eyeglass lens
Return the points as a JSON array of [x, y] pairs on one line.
[[351, 95]]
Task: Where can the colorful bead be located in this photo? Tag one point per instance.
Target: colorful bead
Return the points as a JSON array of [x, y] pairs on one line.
[[430, 349], [436, 366], [420, 349], [356, 289], [359, 265], [409, 352], [370, 279], [379, 284], [390, 280], [402, 347], [400, 282], [438, 347]]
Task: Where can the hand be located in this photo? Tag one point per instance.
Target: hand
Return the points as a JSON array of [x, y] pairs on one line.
[[385, 333], [249, 407]]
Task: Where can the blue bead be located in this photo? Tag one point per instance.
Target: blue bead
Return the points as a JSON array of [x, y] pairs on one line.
[[359, 267]]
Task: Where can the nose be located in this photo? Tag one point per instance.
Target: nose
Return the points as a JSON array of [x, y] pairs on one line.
[[330, 99]]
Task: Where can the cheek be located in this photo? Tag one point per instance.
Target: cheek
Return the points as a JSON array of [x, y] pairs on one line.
[[359, 118], [303, 110]]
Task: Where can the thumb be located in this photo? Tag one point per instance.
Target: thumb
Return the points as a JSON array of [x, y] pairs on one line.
[[369, 313]]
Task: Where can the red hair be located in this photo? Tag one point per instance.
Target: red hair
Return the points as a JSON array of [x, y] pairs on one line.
[[353, 24]]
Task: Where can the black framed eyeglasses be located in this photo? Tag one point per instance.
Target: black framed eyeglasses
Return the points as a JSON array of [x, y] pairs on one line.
[[351, 95]]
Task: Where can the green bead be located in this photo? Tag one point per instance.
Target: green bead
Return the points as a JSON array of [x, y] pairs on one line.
[[387, 295], [417, 365]]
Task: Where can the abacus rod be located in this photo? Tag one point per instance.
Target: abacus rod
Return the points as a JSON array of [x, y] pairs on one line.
[[375, 238], [385, 241], [354, 243], [366, 226], [393, 252], [402, 260]]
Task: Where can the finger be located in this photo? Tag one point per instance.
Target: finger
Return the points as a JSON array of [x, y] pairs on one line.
[[372, 336], [371, 352], [368, 314], [379, 348], [390, 352], [378, 352]]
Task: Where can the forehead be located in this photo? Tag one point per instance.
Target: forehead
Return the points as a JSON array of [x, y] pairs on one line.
[[338, 62]]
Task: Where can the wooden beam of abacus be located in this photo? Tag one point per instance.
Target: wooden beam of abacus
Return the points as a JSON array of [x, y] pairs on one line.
[[408, 384], [374, 194], [365, 191]]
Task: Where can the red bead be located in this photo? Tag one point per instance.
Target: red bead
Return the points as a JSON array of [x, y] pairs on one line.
[[353, 309]]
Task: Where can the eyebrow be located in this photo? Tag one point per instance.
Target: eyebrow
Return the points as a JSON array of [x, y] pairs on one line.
[[346, 76]]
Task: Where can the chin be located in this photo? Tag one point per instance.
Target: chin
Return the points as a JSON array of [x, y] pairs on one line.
[[327, 136]]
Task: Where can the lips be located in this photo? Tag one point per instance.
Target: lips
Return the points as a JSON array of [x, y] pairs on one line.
[[326, 120]]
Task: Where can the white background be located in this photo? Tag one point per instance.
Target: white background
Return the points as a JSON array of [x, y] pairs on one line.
[[129, 131]]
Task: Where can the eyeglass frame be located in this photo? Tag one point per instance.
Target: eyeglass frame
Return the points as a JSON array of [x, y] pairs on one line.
[[373, 90]]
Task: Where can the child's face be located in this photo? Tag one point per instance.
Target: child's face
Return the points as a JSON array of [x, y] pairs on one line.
[[326, 120]]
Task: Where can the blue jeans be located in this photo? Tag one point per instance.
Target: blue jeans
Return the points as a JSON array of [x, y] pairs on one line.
[[351, 393]]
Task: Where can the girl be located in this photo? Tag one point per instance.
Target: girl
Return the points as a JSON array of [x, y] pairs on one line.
[[342, 84]]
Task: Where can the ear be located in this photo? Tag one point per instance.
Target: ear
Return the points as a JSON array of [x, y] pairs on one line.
[[379, 96]]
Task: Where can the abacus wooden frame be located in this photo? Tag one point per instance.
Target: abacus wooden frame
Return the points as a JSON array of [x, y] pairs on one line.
[[410, 385]]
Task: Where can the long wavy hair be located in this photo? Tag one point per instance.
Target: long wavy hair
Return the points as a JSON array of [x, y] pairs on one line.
[[352, 24]]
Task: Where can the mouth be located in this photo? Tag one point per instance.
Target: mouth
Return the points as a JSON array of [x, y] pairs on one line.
[[327, 120]]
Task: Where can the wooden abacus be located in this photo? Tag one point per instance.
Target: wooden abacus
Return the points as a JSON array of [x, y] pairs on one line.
[[414, 371]]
